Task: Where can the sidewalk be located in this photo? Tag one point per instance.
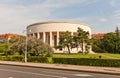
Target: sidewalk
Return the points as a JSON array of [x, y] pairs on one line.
[[92, 69]]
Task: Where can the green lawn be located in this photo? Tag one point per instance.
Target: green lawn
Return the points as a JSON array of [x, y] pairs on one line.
[[104, 56]]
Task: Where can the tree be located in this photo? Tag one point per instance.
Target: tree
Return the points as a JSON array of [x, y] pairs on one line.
[[117, 31], [82, 37], [4, 49], [110, 43], [35, 47], [66, 41], [96, 43], [76, 42], [17, 45]]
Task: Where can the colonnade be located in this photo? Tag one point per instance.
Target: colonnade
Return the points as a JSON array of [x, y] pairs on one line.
[[51, 38]]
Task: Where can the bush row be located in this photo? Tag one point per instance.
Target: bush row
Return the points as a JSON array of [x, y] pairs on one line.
[[12, 58], [21, 59], [72, 61], [88, 61], [37, 59]]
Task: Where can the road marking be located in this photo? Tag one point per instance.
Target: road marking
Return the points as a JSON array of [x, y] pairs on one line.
[[64, 77], [33, 73], [10, 77], [82, 75], [67, 74], [55, 73]]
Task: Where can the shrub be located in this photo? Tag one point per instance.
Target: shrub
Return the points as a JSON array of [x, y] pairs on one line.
[[37, 59], [98, 49], [21, 58], [88, 61], [38, 48], [12, 58]]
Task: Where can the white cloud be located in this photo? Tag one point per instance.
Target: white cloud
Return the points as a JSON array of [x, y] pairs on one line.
[[113, 3], [65, 3], [103, 20], [117, 14], [16, 18]]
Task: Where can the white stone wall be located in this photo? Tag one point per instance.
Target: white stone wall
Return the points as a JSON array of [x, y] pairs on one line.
[[59, 26]]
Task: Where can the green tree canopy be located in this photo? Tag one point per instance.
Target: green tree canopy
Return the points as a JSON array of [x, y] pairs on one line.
[[4, 48], [109, 43], [66, 40], [82, 37], [35, 47], [17, 45]]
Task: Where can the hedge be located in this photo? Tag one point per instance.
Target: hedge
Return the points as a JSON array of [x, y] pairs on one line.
[[21, 59], [72, 61], [12, 58], [37, 59], [88, 61]]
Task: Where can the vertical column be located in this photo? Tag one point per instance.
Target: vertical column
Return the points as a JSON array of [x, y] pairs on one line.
[[33, 36], [71, 33], [38, 35], [57, 38], [44, 37], [51, 39]]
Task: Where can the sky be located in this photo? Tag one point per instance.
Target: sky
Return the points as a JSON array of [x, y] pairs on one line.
[[102, 15]]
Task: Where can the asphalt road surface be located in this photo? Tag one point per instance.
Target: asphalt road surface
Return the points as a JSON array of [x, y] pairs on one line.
[[28, 72]]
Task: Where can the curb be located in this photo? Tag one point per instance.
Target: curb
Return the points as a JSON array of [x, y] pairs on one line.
[[60, 68]]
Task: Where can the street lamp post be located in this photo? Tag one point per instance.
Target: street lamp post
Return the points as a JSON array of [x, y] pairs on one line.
[[26, 42]]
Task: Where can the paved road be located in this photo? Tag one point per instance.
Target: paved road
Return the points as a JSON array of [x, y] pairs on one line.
[[28, 72]]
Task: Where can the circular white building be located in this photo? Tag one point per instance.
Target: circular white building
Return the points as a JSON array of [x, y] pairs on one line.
[[50, 32]]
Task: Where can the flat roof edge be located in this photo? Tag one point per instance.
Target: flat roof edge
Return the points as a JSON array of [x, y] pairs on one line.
[[55, 22]]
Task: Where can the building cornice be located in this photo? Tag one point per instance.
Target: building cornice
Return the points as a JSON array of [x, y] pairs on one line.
[[48, 22]]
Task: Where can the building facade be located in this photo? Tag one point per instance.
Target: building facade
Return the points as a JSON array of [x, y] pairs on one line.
[[49, 32]]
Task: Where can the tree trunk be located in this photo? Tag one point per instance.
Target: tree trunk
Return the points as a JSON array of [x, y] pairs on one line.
[[68, 49], [82, 47]]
